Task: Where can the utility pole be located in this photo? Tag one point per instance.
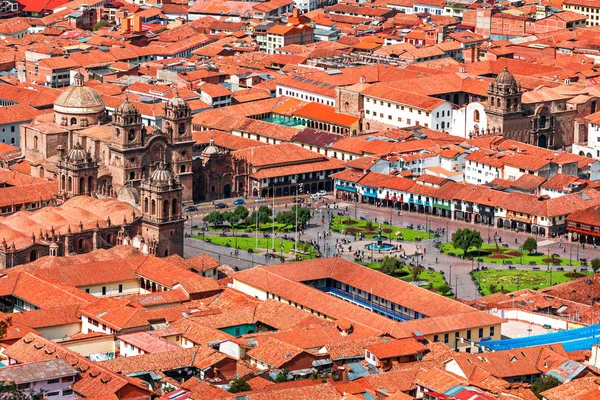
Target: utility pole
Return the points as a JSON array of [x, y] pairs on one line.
[[298, 187], [391, 225], [273, 215], [456, 288]]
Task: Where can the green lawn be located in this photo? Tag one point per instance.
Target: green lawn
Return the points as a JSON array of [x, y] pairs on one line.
[[511, 280], [252, 228], [243, 244], [434, 278], [354, 226], [505, 255]]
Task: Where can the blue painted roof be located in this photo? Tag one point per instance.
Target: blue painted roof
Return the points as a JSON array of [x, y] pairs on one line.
[[357, 370], [567, 371]]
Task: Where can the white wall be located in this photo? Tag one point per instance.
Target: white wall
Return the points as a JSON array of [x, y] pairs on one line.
[[479, 173], [304, 95], [232, 349], [403, 115], [112, 289], [463, 120], [58, 332], [534, 318]]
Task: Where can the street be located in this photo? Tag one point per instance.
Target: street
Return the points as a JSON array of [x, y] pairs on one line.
[[455, 269]]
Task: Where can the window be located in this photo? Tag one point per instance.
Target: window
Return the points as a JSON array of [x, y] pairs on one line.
[[23, 386], [67, 379], [446, 338], [436, 338], [52, 394], [469, 334], [52, 381], [491, 331], [480, 333], [103, 290], [67, 392], [87, 290], [120, 288]]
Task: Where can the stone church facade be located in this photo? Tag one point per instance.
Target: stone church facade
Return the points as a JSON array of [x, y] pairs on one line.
[[124, 148]]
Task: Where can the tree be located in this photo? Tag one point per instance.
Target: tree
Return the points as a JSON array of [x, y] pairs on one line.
[[215, 218], [415, 271], [542, 384], [286, 218], [303, 214], [465, 239], [101, 24], [389, 264], [241, 212], [530, 245], [444, 289], [239, 385], [263, 214], [595, 264], [231, 218], [282, 376]]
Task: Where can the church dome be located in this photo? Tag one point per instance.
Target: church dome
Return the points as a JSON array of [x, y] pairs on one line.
[[211, 149], [79, 99], [161, 176], [506, 79], [176, 101], [77, 154], [126, 108]]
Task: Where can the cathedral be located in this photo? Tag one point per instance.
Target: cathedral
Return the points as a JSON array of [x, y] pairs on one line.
[[120, 152], [545, 117]]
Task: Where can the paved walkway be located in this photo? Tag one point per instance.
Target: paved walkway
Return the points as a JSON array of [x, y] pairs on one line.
[[454, 269]]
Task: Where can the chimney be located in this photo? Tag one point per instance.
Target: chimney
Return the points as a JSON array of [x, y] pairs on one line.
[[137, 23], [567, 81], [462, 69], [344, 373], [126, 25], [295, 12]]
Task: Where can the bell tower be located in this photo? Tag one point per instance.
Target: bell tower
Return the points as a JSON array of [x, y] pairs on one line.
[[504, 109], [128, 131], [77, 171], [504, 94], [177, 118], [177, 124], [162, 220]]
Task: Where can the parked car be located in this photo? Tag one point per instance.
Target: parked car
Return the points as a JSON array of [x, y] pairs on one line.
[[259, 200], [220, 205], [191, 208], [239, 202], [322, 193], [315, 196]]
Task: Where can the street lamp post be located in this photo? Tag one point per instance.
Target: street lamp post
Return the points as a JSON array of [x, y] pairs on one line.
[[548, 259], [298, 187], [521, 251], [450, 277], [391, 225]]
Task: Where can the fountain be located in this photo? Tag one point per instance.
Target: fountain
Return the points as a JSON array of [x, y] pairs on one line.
[[380, 245]]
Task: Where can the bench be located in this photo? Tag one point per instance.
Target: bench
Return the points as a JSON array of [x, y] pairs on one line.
[[546, 326], [511, 267], [536, 268]]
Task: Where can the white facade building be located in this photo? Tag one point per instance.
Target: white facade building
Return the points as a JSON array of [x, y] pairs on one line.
[[403, 109], [468, 121]]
